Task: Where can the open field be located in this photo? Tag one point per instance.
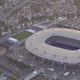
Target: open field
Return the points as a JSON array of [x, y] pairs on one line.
[[22, 35]]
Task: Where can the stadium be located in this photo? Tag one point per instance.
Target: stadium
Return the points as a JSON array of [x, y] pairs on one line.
[[58, 45]]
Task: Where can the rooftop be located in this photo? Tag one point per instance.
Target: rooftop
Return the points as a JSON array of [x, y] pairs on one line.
[[36, 45]]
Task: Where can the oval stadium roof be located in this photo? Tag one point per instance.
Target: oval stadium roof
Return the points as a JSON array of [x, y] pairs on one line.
[[36, 44]]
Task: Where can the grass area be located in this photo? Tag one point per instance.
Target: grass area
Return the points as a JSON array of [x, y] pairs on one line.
[[1, 71], [22, 35], [11, 78], [19, 64], [77, 3]]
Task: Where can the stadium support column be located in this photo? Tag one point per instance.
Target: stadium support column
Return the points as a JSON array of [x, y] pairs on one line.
[[42, 61], [33, 57], [79, 65], [65, 66], [53, 63]]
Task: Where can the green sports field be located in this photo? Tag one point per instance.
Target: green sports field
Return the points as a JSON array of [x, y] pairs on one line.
[[22, 35]]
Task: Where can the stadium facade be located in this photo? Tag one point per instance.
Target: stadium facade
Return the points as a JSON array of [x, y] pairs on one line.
[[59, 45]]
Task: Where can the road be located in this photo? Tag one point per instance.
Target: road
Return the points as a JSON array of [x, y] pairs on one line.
[[14, 68], [31, 75], [13, 9]]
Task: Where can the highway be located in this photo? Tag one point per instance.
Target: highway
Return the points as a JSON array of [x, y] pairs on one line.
[[13, 9], [31, 75]]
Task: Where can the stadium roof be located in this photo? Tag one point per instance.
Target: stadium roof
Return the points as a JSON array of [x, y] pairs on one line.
[[36, 44]]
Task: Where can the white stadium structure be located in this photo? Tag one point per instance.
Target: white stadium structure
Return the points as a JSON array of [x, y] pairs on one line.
[[43, 44]]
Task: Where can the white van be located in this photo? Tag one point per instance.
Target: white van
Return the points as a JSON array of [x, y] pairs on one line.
[[66, 73]]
